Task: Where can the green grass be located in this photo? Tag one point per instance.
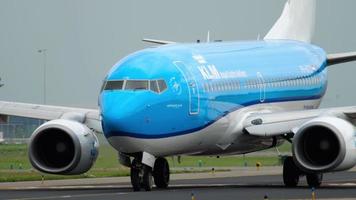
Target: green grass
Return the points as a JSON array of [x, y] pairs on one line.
[[15, 166], [228, 161], [286, 147]]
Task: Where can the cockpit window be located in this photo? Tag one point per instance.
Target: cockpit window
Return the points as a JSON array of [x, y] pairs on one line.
[[157, 86], [136, 85], [162, 85], [114, 85], [154, 86]]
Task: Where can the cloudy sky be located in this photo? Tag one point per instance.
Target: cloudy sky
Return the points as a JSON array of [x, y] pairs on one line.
[[84, 38]]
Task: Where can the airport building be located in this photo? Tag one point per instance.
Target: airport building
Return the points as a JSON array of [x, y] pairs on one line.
[[17, 129]]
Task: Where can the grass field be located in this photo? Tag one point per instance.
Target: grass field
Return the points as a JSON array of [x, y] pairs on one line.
[[15, 166]]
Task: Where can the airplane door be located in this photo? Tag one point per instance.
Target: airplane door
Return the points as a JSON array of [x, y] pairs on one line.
[[194, 99], [262, 86]]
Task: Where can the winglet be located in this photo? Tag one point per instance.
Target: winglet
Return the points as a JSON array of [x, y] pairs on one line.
[[337, 58], [162, 42], [296, 22]]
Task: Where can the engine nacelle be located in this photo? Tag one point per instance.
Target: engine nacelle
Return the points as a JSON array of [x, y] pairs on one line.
[[325, 144], [63, 147]]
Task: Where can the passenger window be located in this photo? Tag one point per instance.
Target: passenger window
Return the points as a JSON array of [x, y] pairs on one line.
[[136, 85], [236, 87], [210, 87], [114, 85], [232, 86]]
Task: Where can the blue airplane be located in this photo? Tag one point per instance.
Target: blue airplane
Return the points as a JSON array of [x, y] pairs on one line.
[[214, 98]]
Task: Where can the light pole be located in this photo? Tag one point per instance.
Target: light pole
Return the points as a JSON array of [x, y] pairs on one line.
[[44, 53]]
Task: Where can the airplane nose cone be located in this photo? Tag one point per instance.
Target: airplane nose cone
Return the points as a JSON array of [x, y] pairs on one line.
[[115, 108], [117, 111]]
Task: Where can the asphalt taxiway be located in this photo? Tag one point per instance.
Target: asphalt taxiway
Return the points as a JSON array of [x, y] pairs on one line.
[[209, 186]]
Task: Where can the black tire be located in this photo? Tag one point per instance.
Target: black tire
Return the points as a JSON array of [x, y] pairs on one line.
[[135, 176], [291, 173], [147, 182], [161, 173], [314, 180]]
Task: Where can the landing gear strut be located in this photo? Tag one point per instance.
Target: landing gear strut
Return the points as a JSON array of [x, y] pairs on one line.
[[141, 176]]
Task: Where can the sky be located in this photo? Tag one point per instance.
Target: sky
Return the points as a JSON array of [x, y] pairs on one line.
[[78, 41]]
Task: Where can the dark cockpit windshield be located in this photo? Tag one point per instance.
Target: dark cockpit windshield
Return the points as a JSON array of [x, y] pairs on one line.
[[157, 86]]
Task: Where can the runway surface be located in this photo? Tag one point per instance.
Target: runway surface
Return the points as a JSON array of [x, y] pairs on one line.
[[336, 186]]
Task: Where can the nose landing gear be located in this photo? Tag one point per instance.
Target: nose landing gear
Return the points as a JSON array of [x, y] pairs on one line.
[[142, 175]]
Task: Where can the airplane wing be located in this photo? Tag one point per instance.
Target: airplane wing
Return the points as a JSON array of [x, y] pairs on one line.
[[337, 58], [281, 123], [90, 117]]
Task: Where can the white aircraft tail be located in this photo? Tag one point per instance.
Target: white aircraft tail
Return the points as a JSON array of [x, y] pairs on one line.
[[296, 22]]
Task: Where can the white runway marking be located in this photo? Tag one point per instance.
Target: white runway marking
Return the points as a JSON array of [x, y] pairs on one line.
[[118, 186], [70, 196], [342, 184]]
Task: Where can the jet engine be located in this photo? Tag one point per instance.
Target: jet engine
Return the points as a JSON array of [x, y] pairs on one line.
[[325, 144], [63, 147]]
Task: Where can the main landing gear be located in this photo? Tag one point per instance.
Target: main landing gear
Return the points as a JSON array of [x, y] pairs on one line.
[[141, 175], [291, 175]]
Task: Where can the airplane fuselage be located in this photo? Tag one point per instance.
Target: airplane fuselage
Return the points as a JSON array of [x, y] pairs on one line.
[[193, 98]]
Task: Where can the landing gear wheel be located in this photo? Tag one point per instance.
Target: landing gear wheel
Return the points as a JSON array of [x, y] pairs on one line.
[[141, 176], [135, 179], [314, 180], [147, 178], [136, 176], [161, 173], [291, 173]]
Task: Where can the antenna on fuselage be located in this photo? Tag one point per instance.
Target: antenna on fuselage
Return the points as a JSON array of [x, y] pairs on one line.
[[208, 37]]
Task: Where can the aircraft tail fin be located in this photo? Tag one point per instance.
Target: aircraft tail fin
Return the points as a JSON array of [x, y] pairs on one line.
[[296, 22]]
